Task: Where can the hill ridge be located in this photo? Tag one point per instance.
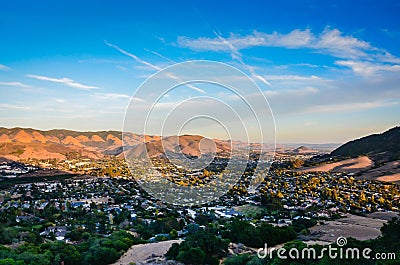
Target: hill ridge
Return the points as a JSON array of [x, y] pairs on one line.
[[383, 146]]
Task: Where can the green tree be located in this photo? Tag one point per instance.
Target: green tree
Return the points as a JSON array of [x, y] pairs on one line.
[[65, 252], [192, 256], [238, 259], [173, 233], [7, 261], [213, 247], [8, 234]]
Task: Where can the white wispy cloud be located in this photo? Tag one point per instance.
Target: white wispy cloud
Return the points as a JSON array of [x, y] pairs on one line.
[[333, 42], [16, 107], [236, 55], [15, 84], [122, 68], [354, 106], [4, 67], [292, 77], [330, 41], [117, 96], [66, 81], [160, 55], [137, 59], [290, 93], [305, 64], [364, 68], [152, 66], [259, 77], [111, 96]]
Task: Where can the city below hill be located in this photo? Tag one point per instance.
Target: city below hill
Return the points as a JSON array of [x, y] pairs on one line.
[[372, 157]]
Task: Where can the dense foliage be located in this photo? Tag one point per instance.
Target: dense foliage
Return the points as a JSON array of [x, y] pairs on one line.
[[97, 250], [201, 247], [241, 231]]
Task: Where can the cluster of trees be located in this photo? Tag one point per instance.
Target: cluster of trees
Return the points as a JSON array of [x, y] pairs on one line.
[[201, 247], [303, 224], [96, 250], [241, 231], [210, 245], [10, 234], [106, 250], [158, 226], [43, 254], [241, 259]]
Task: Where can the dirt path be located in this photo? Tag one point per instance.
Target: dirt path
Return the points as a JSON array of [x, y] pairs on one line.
[[139, 254]]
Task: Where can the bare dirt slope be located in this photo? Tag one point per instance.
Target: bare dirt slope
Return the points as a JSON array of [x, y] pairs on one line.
[[361, 228], [348, 165], [142, 253], [191, 145], [364, 167]]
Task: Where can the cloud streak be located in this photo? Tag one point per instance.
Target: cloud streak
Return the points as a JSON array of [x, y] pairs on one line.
[[117, 96], [292, 77], [292, 92], [367, 68], [65, 81], [160, 55], [350, 107], [15, 107], [236, 55], [15, 84], [330, 41], [4, 67], [111, 96], [152, 66], [137, 59]]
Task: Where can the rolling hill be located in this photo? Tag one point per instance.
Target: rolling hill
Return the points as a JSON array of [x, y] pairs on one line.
[[189, 145], [373, 157], [304, 150], [24, 143], [379, 147]]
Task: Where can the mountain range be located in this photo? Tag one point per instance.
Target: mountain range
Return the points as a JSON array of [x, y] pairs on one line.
[[25, 143]]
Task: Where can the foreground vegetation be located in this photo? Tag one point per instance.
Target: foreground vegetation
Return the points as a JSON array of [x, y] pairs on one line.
[[96, 250]]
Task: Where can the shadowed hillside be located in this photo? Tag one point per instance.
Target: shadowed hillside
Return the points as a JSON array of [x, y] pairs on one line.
[[380, 147]]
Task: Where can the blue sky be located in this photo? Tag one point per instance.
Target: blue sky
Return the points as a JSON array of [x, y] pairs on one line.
[[330, 71]]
